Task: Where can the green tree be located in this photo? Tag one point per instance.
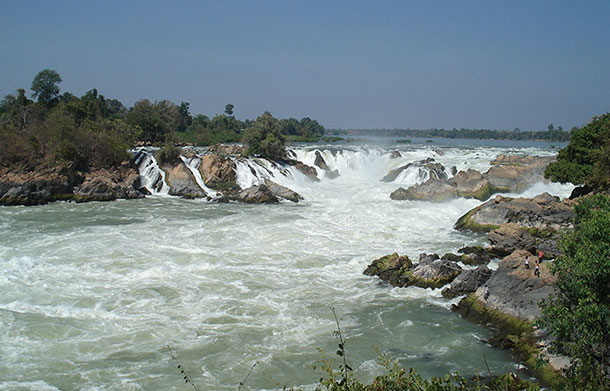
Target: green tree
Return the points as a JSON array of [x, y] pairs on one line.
[[264, 138], [585, 159], [45, 85], [578, 316]]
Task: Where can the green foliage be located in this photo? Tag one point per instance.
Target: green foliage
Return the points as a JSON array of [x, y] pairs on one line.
[[155, 120], [169, 153], [229, 109], [264, 138], [578, 316], [586, 159], [45, 85]]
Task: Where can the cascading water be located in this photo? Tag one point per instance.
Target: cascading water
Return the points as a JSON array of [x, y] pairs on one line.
[[193, 165], [151, 176], [226, 285]]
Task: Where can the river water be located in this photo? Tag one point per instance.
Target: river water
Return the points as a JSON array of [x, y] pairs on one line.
[[91, 294]]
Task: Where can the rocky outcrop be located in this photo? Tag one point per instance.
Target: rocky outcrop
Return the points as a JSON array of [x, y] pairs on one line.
[[181, 181], [507, 174], [282, 191], [515, 290], [430, 272], [395, 154], [436, 171], [473, 255], [108, 185], [467, 282], [542, 212], [227, 150], [510, 237], [218, 172], [309, 171], [258, 194], [41, 185], [320, 162], [390, 268]]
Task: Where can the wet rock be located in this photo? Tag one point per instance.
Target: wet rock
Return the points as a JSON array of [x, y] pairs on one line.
[[282, 191], [181, 181], [395, 154], [309, 171], [218, 172], [258, 194], [472, 255], [109, 185], [432, 272], [468, 281], [320, 162], [436, 170], [389, 268], [580, 191]]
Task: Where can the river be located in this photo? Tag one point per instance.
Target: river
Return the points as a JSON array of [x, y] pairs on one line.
[[91, 294]]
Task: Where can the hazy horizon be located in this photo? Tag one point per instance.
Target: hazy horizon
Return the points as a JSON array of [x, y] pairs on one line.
[[394, 65]]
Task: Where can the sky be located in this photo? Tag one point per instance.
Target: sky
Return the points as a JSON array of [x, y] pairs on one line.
[[348, 64]]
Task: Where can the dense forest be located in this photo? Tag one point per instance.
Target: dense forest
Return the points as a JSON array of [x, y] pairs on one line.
[[551, 134], [96, 131]]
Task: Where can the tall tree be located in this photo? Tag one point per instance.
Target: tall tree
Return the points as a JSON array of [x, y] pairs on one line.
[[45, 85], [264, 138]]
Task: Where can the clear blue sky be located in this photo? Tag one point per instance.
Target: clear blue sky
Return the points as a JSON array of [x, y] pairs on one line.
[[374, 64]]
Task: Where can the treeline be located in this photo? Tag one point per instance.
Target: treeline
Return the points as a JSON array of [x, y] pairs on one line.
[[95, 131], [551, 134]]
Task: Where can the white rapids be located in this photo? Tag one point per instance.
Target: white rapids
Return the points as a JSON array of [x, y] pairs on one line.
[[91, 294]]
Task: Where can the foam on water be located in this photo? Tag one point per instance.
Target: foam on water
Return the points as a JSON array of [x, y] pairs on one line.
[[90, 294]]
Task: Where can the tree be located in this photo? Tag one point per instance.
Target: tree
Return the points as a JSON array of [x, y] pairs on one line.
[[585, 159], [264, 138], [45, 85], [229, 109], [578, 316]]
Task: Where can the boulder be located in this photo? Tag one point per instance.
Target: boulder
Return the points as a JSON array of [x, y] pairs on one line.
[[543, 212], [389, 268], [109, 184], [218, 172], [395, 154], [258, 194], [309, 171], [436, 170], [472, 255], [468, 281], [432, 272], [510, 237], [431, 190], [320, 162], [515, 290], [282, 191], [181, 181]]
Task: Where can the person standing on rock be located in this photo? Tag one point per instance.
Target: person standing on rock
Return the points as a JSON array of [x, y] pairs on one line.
[[486, 293], [540, 254], [527, 261], [537, 271]]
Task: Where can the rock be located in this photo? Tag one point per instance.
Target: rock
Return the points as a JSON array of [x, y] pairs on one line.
[[508, 174], [40, 185], [432, 273], [468, 281], [395, 154], [227, 150], [282, 191], [472, 255], [258, 194], [109, 184], [389, 268], [320, 162], [181, 181], [453, 170], [510, 237], [543, 212], [436, 170], [431, 190], [580, 191], [218, 172], [309, 171]]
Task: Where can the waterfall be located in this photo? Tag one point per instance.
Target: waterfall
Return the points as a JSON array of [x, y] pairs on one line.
[[151, 176], [193, 165]]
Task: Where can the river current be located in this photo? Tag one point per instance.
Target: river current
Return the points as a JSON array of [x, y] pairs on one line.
[[91, 294]]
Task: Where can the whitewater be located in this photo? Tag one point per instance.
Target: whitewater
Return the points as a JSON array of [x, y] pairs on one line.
[[91, 294]]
